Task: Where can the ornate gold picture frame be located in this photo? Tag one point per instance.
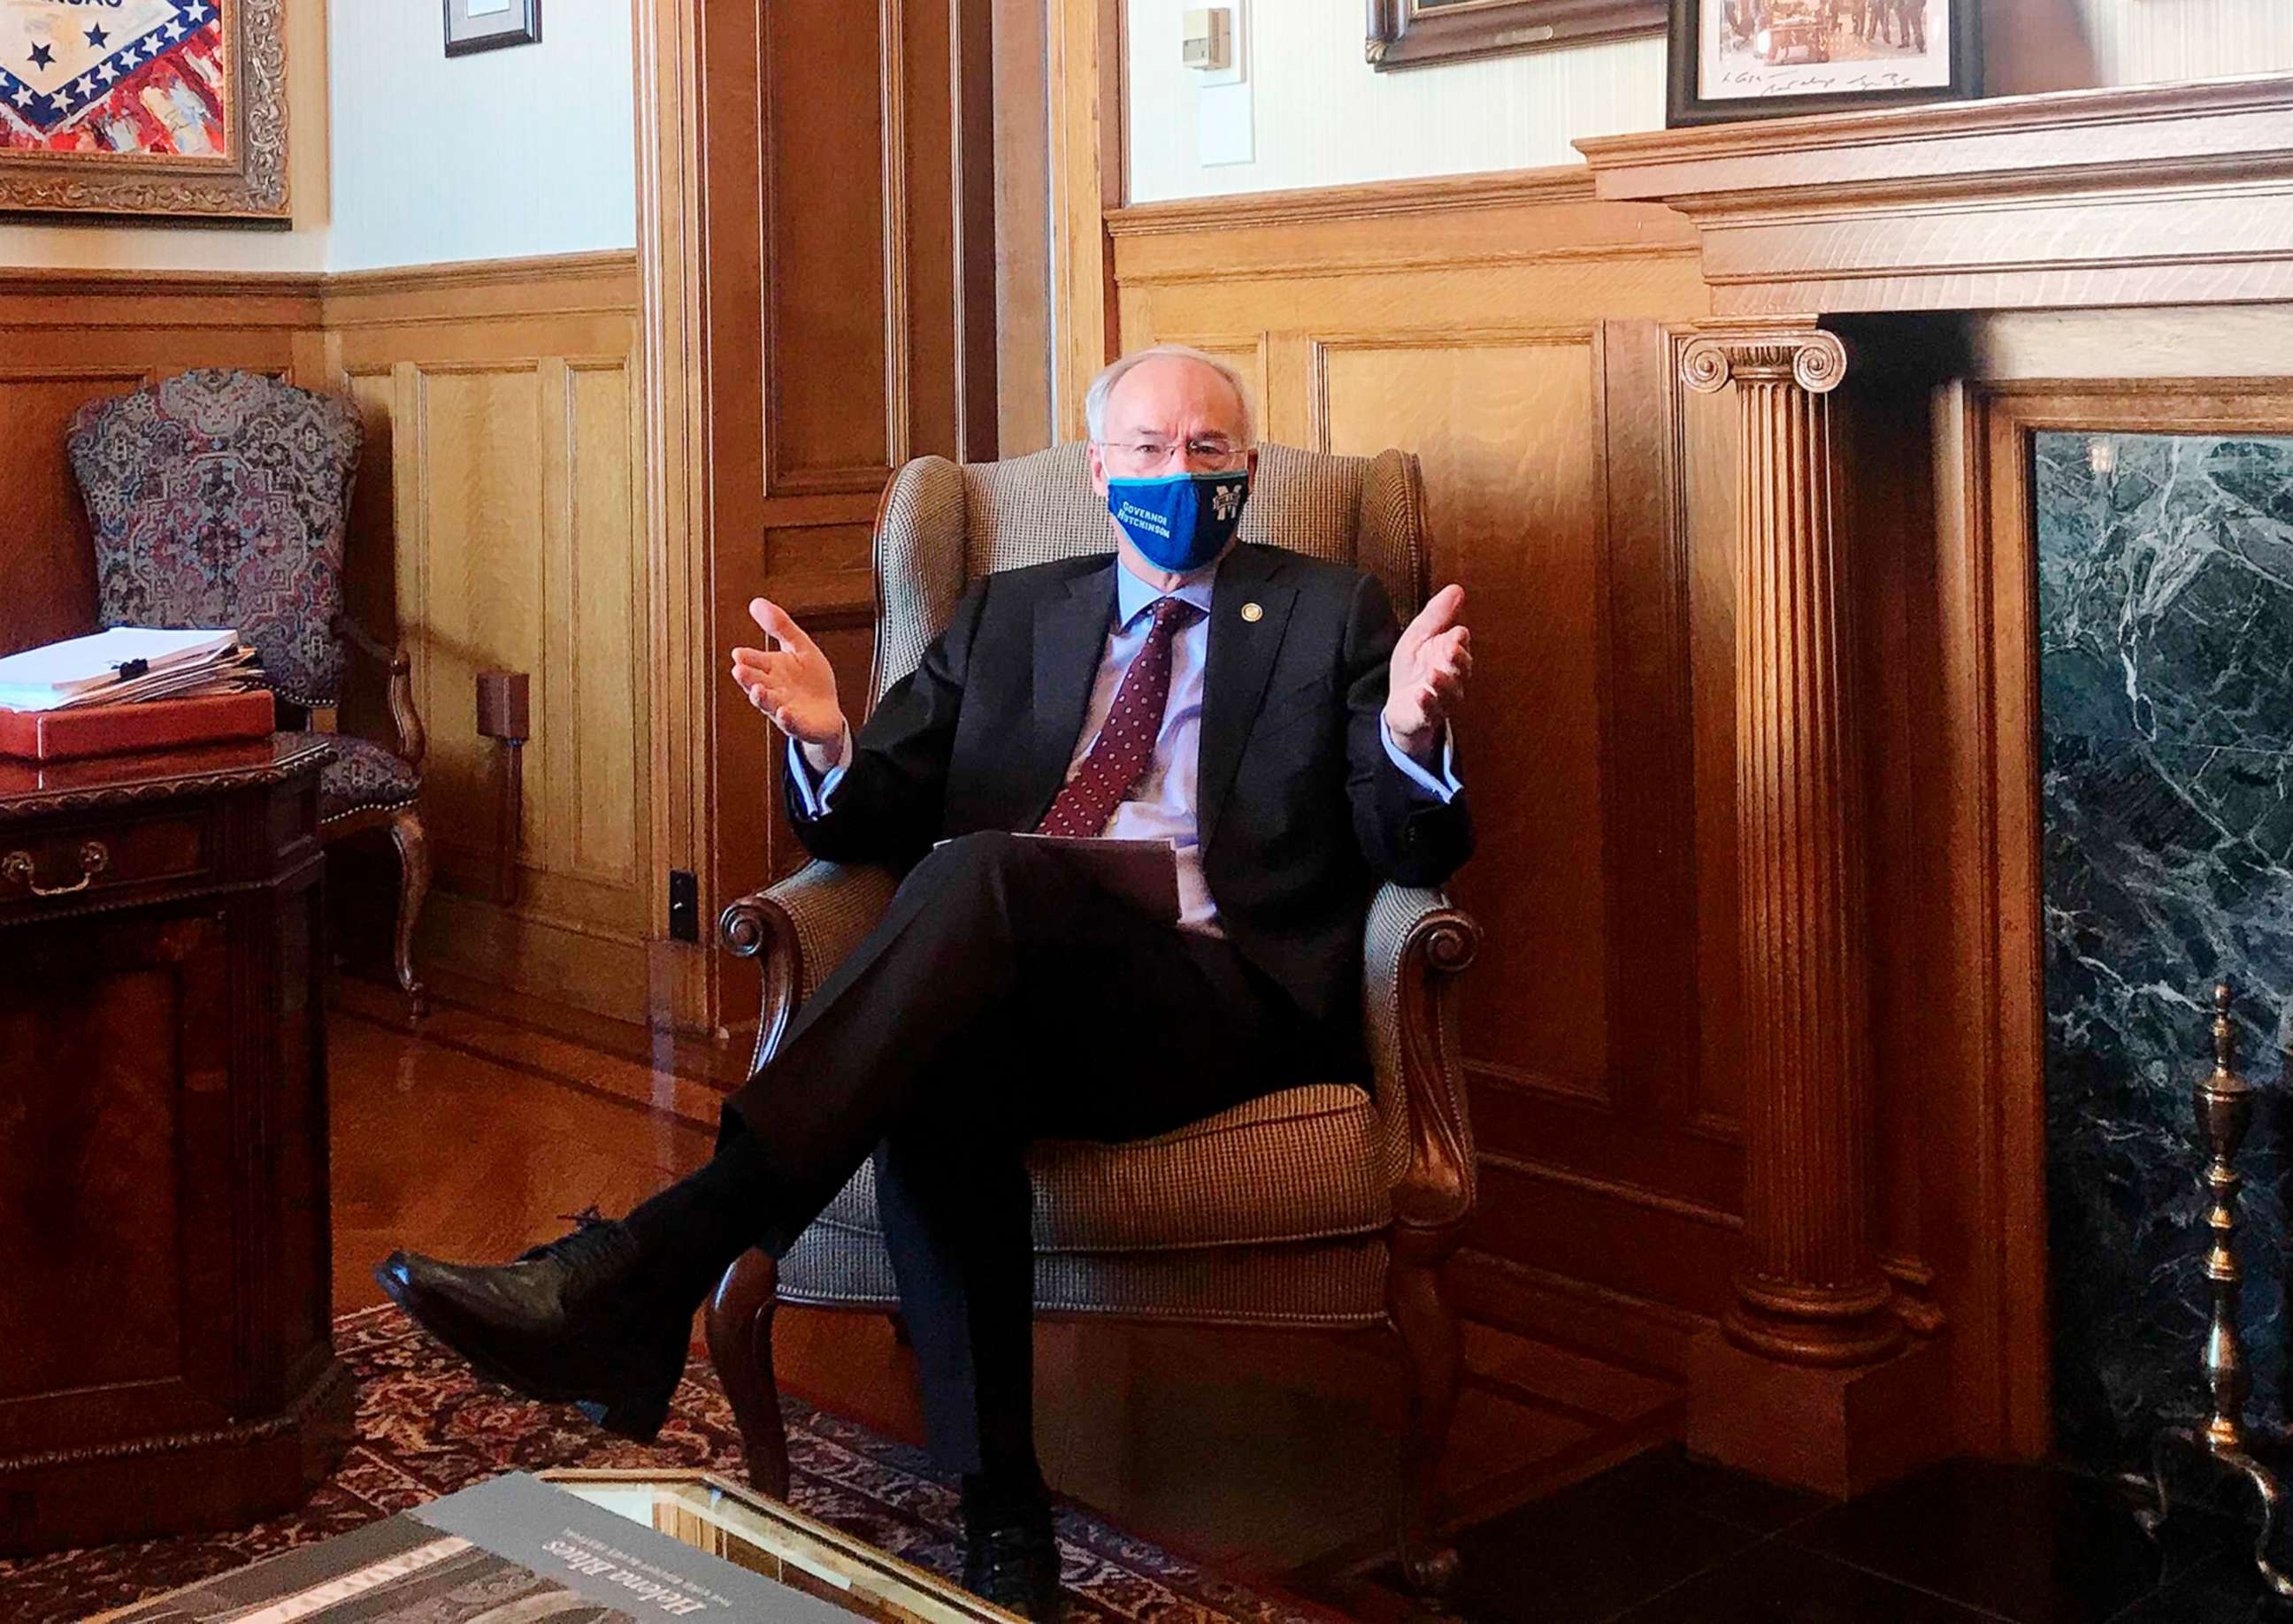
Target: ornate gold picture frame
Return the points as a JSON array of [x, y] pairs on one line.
[[1412, 33], [164, 107]]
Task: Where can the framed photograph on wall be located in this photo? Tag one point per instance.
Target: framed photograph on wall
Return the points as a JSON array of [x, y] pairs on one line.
[[489, 25], [1761, 59], [1412, 33], [172, 108]]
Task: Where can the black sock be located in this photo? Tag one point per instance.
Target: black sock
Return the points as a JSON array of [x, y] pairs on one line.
[[691, 1232], [1006, 1496]]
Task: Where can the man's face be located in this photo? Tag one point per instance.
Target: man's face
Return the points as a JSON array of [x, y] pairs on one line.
[[1169, 415]]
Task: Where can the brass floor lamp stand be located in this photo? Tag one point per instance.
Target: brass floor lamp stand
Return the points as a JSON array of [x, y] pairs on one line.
[[2224, 1102]]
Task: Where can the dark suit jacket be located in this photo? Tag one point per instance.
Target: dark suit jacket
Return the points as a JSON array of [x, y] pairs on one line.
[[1301, 809]]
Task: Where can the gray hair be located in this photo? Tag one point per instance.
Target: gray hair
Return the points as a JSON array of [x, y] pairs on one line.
[[1094, 401]]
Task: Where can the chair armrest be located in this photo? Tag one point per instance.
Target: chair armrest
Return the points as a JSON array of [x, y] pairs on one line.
[[799, 930], [413, 737], [1413, 943]]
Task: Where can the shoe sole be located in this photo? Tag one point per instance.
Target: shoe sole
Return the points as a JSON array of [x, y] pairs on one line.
[[639, 1419]]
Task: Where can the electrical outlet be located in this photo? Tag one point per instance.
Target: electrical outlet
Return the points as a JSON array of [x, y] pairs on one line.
[[684, 906]]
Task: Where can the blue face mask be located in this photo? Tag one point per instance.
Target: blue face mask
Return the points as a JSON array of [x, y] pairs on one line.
[[1182, 520]]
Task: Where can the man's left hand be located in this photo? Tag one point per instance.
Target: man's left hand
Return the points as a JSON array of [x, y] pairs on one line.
[[1427, 679]]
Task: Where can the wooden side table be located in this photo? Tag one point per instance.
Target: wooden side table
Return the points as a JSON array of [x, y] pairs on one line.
[[167, 1361]]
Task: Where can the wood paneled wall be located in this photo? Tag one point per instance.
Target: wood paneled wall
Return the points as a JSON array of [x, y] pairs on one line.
[[497, 528], [1522, 340], [495, 525]]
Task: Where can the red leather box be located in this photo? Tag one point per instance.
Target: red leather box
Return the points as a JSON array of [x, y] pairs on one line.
[[154, 724]]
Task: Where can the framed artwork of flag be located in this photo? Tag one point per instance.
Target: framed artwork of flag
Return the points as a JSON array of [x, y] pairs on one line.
[[145, 106]]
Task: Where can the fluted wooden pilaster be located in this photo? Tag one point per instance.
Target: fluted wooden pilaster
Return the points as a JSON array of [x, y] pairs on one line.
[[1812, 1292]]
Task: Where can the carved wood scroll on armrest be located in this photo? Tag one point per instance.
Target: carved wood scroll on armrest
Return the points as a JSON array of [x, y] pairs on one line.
[[799, 929], [413, 737], [1414, 942]]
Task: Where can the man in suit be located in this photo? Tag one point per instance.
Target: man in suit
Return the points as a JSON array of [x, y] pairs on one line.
[[1259, 710]]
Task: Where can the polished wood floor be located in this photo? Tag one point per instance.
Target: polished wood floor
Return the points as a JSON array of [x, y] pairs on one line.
[[1269, 1454]]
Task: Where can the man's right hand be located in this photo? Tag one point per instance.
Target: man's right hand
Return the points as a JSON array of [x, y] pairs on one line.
[[792, 683]]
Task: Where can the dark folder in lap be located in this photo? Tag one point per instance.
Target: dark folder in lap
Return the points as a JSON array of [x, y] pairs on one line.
[[1143, 873]]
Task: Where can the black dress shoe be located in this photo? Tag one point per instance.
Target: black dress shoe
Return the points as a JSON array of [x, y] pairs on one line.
[[567, 1323], [1015, 1565]]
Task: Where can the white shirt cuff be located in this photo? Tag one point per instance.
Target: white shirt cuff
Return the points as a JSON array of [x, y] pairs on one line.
[[813, 789], [1444, 789]]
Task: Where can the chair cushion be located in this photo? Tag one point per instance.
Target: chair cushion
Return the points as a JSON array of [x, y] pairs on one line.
[[362, 776], [1334, 1282], [1296, 1165]]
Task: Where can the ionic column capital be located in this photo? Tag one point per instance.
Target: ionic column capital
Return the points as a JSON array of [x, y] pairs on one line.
[[1763, 352]]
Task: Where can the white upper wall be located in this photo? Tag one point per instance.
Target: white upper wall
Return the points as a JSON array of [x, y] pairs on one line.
[[524, 150], [1320, 117], [2144, 41]]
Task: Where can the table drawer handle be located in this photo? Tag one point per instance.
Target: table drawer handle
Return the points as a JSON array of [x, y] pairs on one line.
[[93, 858]]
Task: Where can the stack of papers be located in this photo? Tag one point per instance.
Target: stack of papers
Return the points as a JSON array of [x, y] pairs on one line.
[[124, 664]]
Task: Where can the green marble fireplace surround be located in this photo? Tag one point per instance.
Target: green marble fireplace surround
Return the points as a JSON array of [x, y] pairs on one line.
[[2165, 608]]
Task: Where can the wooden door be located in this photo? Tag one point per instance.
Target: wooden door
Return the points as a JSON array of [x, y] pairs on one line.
[[849, 315]]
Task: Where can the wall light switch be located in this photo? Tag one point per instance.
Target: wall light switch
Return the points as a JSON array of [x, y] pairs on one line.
[[1206, 37]]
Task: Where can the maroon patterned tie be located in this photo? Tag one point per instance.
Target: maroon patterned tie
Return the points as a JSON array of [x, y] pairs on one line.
[[1126, 744]]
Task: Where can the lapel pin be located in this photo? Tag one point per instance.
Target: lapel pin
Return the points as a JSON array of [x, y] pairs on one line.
[[1253, 613]]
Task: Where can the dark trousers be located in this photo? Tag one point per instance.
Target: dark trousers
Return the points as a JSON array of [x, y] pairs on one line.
[[1002, 998]]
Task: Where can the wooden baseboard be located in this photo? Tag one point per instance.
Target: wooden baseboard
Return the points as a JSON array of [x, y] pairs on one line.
[[1625, 1330], [542, 959]]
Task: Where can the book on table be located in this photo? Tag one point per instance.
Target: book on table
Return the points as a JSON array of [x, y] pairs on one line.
[[512, 1548], [129, 689]]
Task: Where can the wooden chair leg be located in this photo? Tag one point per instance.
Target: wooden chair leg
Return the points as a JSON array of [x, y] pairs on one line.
[[1428, 1324], [740, 1342], [413, 845]]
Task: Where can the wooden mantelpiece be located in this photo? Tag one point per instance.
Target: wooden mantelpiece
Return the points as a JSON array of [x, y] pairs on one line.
[[2104, 235], [2179, 194]]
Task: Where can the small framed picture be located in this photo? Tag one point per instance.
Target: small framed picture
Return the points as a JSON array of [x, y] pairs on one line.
[[487, 25], [1411, 33], [1759, 58]]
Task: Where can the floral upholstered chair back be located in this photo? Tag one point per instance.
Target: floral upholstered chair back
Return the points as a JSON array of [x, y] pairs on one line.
[[220, 499]]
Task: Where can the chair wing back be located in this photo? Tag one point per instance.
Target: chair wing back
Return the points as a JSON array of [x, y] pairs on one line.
[[220, 499], [943, 526]]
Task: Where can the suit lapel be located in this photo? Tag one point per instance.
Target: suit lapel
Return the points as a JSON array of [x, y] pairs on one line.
[[1241, 650], [1070, 639]]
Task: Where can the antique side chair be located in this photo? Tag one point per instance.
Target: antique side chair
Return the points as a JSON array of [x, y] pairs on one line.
[[1320, 1207], [221, 498]]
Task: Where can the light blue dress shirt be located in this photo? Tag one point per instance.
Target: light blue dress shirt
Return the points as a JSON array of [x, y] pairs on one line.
[[1160, 805]]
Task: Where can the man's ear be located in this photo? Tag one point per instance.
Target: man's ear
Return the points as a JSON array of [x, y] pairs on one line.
[[1098, 468]]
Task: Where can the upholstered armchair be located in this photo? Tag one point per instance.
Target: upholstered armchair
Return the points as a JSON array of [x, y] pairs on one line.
[[221, 498], [1319, 1208]]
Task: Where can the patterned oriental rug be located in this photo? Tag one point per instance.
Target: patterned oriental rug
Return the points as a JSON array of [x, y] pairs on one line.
[[427, 1426]]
